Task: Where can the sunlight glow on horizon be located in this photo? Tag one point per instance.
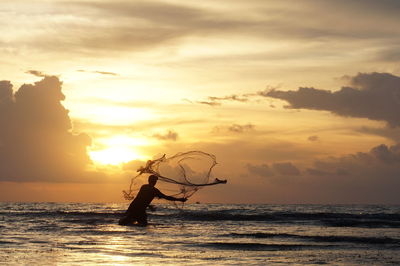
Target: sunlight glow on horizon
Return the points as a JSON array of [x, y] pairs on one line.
[[114, 155], [118, 149], [111, 114]]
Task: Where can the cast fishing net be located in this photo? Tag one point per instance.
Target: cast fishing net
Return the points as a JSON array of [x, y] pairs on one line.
[[185, 172]]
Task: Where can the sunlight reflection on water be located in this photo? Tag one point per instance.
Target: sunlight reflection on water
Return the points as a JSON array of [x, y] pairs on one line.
[[65, 234]]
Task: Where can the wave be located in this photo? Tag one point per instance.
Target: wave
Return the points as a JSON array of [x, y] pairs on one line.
[[53, 213], [327, 219], [6, 242], [256, 246], [329, 239], [369, 220], [368, 223], [74, 217]]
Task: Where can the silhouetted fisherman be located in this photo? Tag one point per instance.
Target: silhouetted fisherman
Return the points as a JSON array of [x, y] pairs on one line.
[[137, 209]]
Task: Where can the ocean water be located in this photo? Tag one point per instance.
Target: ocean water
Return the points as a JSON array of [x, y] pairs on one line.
[[200, 234]]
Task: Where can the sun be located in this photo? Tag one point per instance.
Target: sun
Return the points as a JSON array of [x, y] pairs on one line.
[[117, 150]]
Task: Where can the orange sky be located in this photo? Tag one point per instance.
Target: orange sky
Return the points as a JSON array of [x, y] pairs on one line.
[[299, 101]]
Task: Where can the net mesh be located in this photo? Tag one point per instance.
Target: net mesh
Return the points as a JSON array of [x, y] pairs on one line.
[[190, 171]]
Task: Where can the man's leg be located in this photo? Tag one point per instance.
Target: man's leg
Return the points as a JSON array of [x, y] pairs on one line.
[[129, 216], [142, 219], [126, 220]]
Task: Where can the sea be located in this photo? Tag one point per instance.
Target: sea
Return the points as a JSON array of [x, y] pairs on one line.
[[200, 234]]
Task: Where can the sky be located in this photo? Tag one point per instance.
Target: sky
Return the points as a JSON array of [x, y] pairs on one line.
[[298, 100]]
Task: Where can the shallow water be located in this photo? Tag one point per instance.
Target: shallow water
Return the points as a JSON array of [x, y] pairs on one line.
[[200, 234]]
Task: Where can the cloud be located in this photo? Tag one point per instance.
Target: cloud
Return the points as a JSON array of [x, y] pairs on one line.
[[372, 176], [236, 128], [375, 96], [170, 135], [362, 177], [379, 158], [313, 138], [233, 97], [286, 168], [277, 169], [126, 25], [391, 54], [217, 101], [6, 95], [99, 72], [316, 172], [36, 142], [103, 27], [36, 73], [133, 165], [384, 7], [210, 103], [262, 170], [388, 155], [242, 98], [386, 132]]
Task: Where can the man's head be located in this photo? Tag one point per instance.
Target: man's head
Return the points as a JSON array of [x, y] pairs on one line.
[[153, 180]]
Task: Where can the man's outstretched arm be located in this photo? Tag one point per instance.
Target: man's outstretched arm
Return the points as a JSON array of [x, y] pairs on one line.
[[174, 199], [171, 198]]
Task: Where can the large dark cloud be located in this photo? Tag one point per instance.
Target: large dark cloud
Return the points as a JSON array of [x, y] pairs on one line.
[[375, 96], [363, 177], [36, 142], [374, 174]]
